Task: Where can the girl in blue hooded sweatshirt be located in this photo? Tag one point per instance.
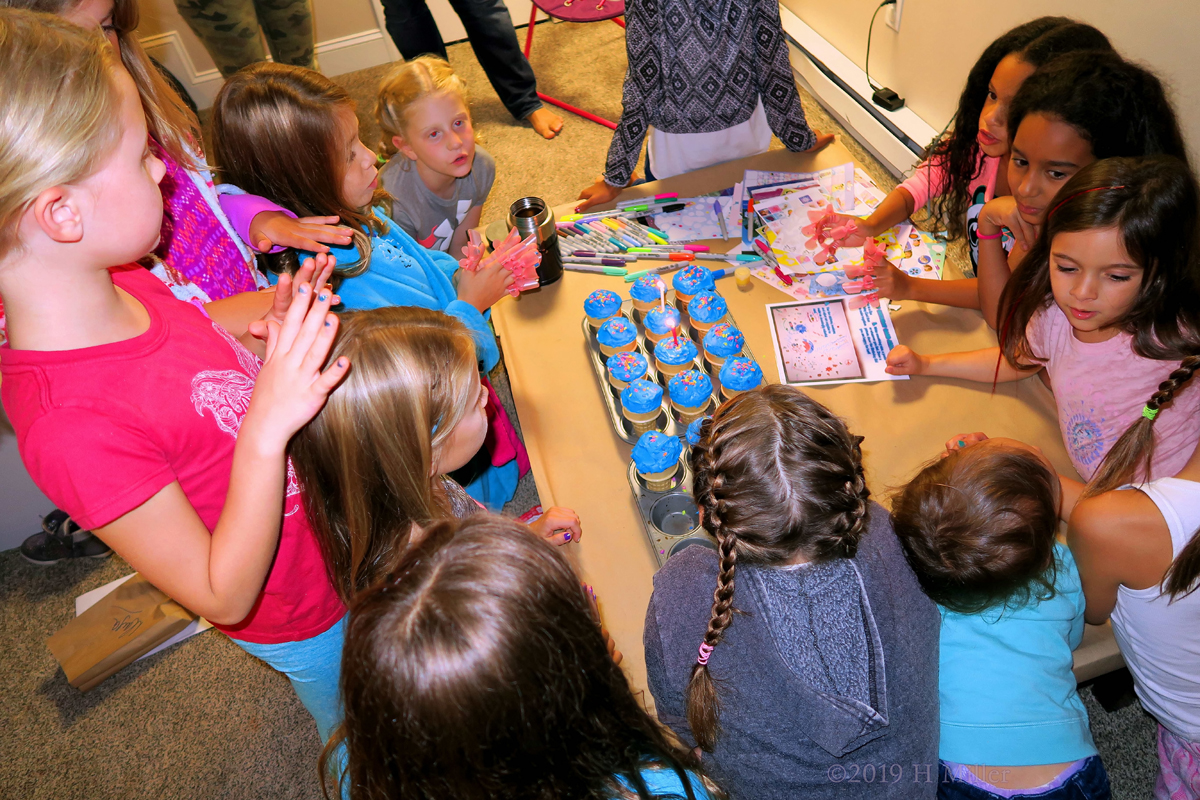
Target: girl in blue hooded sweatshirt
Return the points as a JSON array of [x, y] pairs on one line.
[[290, 135]]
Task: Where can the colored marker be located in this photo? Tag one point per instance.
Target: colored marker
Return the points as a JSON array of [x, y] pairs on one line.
[[783, 276], [696, 248], [593, 254], [598, 262], [616, 272], [746, 257], [674, 265], [666, 196]]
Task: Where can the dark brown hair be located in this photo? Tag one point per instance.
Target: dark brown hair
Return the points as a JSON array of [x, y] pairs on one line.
[[171, 122], [978, 528], [777, 475], [275, 134], [479, 671], [365, 459], [1034, 42], [1153, 202], [1129, 460]]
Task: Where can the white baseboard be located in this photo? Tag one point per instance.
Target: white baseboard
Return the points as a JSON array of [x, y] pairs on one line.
[[896, 138], [335, 57]]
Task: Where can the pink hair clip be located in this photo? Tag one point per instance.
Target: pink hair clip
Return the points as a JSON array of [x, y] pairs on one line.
[[705, 652]]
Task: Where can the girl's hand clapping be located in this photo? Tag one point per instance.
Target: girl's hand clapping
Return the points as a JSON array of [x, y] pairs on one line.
[[291, 387], [484, 286]]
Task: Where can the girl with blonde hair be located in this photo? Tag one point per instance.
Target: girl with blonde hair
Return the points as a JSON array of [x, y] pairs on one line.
[[375, 462], [437, 176]]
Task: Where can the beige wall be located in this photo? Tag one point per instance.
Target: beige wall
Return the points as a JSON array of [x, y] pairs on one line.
[[928, 60]]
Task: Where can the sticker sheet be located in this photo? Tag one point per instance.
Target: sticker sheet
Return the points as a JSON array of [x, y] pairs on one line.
[[828, 341]]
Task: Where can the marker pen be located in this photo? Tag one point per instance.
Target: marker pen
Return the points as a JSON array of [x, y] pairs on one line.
[[614, 271]]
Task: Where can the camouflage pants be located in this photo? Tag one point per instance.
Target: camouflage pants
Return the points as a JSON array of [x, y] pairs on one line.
[[229, 30]]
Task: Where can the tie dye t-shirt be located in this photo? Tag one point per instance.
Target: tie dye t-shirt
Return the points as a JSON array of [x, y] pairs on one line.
[[1100, 389]]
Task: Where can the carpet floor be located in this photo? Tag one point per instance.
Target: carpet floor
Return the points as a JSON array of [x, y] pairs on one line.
[[204, 719]]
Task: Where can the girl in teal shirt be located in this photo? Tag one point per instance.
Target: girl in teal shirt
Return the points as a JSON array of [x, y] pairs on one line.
[[978, 527]]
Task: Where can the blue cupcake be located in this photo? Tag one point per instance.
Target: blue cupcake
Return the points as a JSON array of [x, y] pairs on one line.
[[660, 322], [626, 367], [739, 375], [692, 280], [617, 335], [721, 342], [641, 402], [690, 392], [705, 310], [656, 458], [601, 305], [644, 292], [693, 431], [674, 354]]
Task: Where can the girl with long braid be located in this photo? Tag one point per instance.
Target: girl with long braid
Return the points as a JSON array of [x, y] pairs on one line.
[[1138, 551], [816, 655]]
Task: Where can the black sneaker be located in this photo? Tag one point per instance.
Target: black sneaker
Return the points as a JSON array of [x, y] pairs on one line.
[[62, 538]]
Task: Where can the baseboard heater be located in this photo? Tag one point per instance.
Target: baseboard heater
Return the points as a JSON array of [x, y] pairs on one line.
[[896, 138]]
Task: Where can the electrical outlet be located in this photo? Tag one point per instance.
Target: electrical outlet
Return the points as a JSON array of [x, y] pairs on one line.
[[893, 15]]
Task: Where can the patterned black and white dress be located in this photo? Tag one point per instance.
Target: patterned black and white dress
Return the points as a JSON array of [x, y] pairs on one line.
[[700, 67]]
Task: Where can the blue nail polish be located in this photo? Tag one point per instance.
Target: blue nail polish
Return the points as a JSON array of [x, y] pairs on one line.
[[302, 290], [323, 297], [568, 536], [328, 324]]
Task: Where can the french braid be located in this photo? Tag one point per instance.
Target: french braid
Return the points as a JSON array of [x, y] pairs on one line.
[[776, 476]]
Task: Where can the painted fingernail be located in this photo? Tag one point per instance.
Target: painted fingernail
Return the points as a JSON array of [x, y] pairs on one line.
[[567, 535], [322, 297], [961, 443], [328, 324], [303, 289], [341, 362]]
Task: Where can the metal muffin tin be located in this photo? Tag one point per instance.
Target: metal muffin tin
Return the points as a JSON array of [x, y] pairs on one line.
[[668, 418], [670, 518]]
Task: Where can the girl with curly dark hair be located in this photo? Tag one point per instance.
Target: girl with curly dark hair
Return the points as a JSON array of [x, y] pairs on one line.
[[969, 166], [828, 661]]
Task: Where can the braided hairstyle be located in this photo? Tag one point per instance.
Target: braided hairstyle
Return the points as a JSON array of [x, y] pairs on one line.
[[1129, 460], [777, 476]]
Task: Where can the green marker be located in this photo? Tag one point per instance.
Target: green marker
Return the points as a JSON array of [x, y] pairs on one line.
[[635, 208]]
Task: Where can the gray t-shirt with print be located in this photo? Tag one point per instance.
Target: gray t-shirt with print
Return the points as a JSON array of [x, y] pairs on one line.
[[420, 213]]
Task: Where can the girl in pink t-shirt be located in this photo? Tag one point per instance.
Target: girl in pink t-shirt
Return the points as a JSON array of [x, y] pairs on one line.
[[141, 416], [1107, 304], [963, 170]]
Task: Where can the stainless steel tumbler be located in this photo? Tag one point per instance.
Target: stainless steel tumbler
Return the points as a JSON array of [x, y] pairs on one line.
[[532, 217]]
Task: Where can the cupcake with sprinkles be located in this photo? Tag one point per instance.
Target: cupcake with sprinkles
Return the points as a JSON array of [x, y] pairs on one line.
[[624, 368], [693, 431], [660, 323], [704, 311], [690, 392], [674, 354], [641, 403], [691, 281], [720, 343], [618, 335], [645, 292], [601, 306], [739, 375], [656, 459]]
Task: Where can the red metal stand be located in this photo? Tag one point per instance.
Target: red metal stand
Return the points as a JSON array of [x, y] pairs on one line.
[[618, 10]]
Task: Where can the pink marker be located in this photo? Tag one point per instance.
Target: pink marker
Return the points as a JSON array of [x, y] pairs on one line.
[[667, 196], [696, 248]]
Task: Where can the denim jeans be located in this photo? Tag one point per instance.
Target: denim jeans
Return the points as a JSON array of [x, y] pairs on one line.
[[314, 666], [1089, 783], [492, 36]]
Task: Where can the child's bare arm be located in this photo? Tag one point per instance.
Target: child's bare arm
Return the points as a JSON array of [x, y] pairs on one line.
[[973, 365], [220, 575], [459, 239]]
